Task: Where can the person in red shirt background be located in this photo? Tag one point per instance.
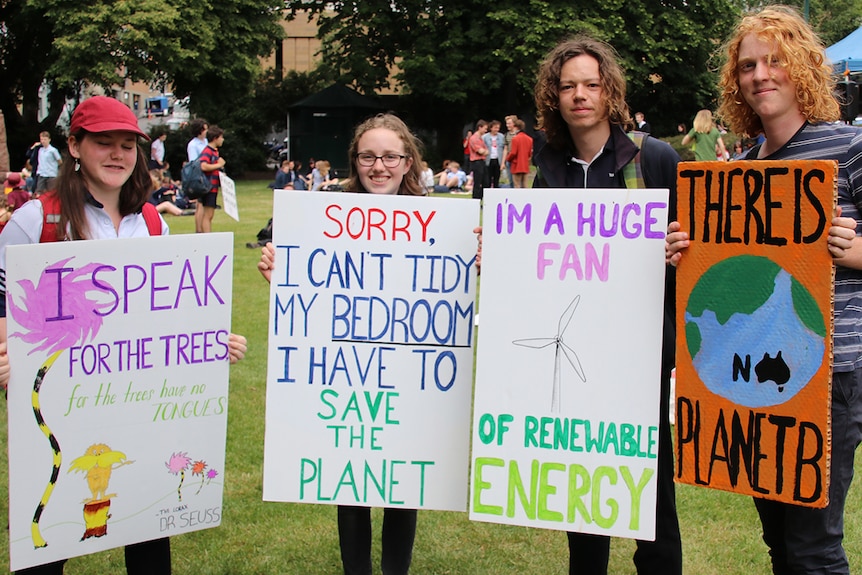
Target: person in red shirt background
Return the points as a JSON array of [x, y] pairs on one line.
[[478, 151], [520, 155]]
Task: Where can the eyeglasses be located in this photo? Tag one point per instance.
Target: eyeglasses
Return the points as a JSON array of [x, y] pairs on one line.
[[389, 160]]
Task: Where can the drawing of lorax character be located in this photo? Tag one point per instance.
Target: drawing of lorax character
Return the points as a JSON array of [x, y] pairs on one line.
[[98, 462]]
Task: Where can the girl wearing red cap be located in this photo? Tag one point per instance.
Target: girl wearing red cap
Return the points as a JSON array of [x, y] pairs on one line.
[[101, 190]]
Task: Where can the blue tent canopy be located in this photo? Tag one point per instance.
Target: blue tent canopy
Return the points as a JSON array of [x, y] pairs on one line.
[[847, 53]]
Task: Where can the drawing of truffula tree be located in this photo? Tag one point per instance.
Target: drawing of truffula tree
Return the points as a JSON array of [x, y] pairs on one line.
[[55, 315], [561, 350], [180, 461]]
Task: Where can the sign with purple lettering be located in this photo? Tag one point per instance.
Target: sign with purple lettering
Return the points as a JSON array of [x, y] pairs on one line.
[[566, 409], [118, 391], [372, 310]]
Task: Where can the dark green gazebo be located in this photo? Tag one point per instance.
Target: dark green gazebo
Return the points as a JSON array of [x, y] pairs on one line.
[[321, 125]]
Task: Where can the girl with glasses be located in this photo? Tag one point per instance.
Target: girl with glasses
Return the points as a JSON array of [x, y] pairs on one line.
[[385, 159]]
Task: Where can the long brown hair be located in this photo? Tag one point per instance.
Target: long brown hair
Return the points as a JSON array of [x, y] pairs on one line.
[[72, 193], [547, 92], [411, 185]]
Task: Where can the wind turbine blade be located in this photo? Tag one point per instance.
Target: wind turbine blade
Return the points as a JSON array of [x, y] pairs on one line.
[[566, 317], [534, 342], [573, 360]]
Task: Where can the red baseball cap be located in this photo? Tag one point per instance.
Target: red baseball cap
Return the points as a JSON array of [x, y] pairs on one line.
[[13, 180], [103, 114]]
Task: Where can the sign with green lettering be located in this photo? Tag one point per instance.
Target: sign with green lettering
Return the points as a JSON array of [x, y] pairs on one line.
[[119, 390], [565, 418], [372, 309]]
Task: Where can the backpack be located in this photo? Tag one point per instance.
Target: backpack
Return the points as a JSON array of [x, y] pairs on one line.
[[51, 217], [265, 233], [633, 171], [196, 184]]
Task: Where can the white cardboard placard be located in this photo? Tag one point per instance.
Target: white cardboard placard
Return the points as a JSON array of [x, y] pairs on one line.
[[565, 424], [370, 350], [134, 396]]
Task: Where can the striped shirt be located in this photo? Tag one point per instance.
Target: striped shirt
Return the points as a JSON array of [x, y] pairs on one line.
[[210, 156], [844, 144]]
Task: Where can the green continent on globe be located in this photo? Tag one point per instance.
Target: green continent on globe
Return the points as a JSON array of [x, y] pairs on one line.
[[736, 285], [693, 338], [742, 284], [806, 308]]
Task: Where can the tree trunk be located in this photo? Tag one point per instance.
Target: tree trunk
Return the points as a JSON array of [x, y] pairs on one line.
[[4, 149]]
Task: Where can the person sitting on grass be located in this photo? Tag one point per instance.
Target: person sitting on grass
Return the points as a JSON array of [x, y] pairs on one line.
[[452, 179], [164, 196], [322, 177]]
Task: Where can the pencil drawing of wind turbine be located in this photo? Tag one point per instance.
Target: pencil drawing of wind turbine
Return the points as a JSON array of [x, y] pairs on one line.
[[561, 349]]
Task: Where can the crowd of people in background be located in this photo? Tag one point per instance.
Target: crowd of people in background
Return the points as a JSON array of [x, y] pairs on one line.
[[493, 158], [319, 177]]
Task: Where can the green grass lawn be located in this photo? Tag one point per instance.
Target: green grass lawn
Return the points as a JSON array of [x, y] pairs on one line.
[[720, 530]]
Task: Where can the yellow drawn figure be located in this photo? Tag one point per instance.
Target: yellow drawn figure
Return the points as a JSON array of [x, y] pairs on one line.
[[98, 462]]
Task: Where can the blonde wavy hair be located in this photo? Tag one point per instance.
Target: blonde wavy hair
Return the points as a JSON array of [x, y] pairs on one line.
[[703, 122], [798, 50], [547, 92]]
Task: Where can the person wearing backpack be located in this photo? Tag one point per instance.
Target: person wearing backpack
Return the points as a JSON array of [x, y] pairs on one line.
[[580, 96], [211, 163], [100, 194], [581, 101]]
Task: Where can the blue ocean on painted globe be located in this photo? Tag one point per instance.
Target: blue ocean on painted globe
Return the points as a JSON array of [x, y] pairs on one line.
[[754, 357]]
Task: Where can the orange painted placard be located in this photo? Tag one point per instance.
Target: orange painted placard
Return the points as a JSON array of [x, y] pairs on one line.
[[754, 328]]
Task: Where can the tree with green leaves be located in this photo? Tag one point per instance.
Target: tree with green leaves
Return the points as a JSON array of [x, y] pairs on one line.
[[470, 58], [208, 50], [832, 19]]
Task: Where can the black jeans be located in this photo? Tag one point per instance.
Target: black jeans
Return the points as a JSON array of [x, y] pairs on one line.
[[478, 167], [805, 539], [588, 554], [494, 173], [354, 536], [146, 558]]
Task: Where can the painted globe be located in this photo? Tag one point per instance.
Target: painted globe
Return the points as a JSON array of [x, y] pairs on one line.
[[756, 335]]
